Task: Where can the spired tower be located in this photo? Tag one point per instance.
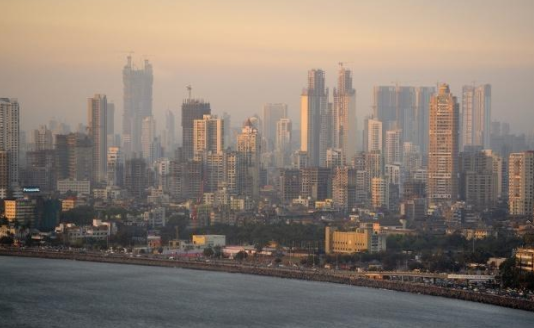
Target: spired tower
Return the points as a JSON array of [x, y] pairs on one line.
[[442, 183]]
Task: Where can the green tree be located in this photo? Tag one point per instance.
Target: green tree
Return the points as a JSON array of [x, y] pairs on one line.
[[208, 252]]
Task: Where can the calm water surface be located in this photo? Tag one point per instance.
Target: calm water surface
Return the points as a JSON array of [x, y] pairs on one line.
[[60, 293]]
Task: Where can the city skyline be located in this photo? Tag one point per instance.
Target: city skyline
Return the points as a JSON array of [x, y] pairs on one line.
[[503, 60]]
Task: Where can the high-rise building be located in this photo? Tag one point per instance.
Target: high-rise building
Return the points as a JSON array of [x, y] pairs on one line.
[[313, 110], [442, 181], [272, 114], [392, 153], [148, 139], [115, 167], [208, 136], [42, 138], [110, 125], [476, 115], [248, 144], [344, 188], [394, 107], [135, 177], [379, 193], [521, 183], [373, 135], [421, 117], [9, 140], [169, 134], [290, 184], [344, 114], [478, 179], [283, 142], [137, 104], [192, 109], [316, 183], [97, 117], [74, 154]]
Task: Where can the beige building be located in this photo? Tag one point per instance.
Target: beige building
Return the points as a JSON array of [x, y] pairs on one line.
[[344, 115], [442, 182], [521, 183], [249, 146], [208, 136], [379, 193], [364, 239], [20, 210], [525, 259]]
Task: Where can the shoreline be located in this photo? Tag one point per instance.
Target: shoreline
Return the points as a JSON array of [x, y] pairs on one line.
[[319, 276]]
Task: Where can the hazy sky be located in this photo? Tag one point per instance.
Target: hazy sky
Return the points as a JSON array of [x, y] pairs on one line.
[[241, 54]]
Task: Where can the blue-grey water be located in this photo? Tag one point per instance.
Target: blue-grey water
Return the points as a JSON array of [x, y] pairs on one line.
[[58, 293]]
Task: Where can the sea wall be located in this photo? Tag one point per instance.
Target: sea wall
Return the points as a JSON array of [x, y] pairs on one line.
[[321, 276]]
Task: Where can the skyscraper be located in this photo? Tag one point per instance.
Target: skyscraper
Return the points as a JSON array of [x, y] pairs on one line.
[[137, 103], [248, 144], [192, 109], [9, 141], [421, 113], [169, 134], [115, 167], [283, 142], [344, 115], [110, 125], [372, 135], [392, 153], [476, 115], [148, 139], [442, 181], [521, 183], [42, 138], [314, 105], [208, 136], [272, 113], [97, 117]]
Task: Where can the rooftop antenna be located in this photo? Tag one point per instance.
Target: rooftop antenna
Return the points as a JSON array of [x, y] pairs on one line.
[[189, 89]]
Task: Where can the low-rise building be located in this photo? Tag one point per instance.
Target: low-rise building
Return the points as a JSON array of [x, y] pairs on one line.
[[209, 240], [81, 187], [525, 259], [20, 210], [366, 238]]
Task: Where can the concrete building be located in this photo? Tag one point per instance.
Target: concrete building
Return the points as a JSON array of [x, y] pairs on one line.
[[316, 183], [521, 183], [20, 210], [344, 188], [476, 115], [379, 193], [208, 136], [392, 152], [421, 117], [272, 114], [42, 138], [525, 259], [137, 103], [344, 115], [192, 109], [373, 135], [135, 177], [442, 182], [97, 116], [9, 141], [115, 167], [363, 239], [249, 146], [209, 240], [478, 180], [149, 142], [74, 153], [80, 187], [290, 184], [283, 142], [314, 105]]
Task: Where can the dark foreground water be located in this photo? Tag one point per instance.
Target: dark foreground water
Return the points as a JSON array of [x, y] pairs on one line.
[[60, 293]]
